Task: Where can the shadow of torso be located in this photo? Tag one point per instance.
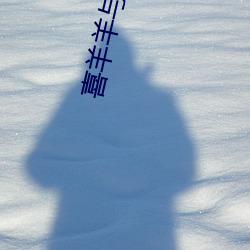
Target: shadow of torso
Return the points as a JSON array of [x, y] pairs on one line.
[[117, 162]]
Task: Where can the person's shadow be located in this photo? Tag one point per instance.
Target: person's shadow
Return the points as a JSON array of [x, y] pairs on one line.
[[117, 161]]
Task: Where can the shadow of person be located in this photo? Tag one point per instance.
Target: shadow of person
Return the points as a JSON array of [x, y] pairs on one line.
[[117, 161]]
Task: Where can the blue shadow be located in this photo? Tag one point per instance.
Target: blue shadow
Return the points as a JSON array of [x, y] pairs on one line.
[[117, 161]]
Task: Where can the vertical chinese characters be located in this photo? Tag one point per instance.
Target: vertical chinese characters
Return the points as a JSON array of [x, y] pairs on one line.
[[94, 84]]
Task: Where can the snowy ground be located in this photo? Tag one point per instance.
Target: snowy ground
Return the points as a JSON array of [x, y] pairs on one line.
[[161, 162]]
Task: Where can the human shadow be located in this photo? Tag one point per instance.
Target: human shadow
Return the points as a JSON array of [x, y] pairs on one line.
[[117, 161]]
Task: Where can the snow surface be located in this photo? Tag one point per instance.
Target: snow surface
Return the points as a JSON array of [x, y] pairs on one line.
[[161, 162]]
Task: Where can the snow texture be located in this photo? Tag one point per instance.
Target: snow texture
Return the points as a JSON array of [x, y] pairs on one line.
[[161, 162]]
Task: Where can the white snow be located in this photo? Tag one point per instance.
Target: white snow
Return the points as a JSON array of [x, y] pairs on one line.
[[161, 162]]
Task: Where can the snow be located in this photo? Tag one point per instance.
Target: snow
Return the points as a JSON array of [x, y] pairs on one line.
[[160, 162]]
